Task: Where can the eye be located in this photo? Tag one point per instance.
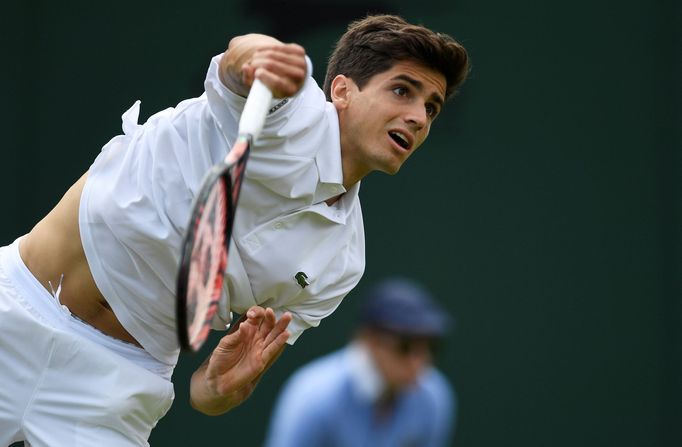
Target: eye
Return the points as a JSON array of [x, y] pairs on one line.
[[400, 91], [431, 110]]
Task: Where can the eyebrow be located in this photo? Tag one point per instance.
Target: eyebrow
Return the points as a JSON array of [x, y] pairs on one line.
[[438, 99]]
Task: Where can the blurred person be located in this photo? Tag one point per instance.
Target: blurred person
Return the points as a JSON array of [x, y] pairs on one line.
[[380, 390]]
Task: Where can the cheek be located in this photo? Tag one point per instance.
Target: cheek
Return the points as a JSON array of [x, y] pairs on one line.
[[386, 362], [424, 134], [360, 118]]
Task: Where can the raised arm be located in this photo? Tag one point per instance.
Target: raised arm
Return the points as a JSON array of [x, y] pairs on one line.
[[232, 371], [280, 66], [235, 366]]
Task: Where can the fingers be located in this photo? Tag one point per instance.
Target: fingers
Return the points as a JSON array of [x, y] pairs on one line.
[[280, 86], [274, 349], [277, 57], [235, 325], [254, 319], [281, 67], [243, 329], [278, 329], [258, 325], [255, 313], [267, 323], [270, 328]]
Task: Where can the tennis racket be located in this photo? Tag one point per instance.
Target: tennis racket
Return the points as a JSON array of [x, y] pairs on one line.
[[204, 250]]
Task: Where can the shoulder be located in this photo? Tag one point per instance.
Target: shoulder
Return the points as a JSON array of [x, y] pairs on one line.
[[433, 378], [319, 374], [436, 387], [307, 407], [438, 406], [316, 385], [313, 393]]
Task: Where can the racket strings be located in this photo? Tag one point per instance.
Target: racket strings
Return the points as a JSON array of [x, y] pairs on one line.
[[208, 262]]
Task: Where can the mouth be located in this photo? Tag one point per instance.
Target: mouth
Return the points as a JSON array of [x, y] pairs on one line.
[[402, 139]]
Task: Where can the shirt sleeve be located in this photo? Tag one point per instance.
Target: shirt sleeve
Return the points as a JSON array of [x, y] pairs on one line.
[[226, 106]]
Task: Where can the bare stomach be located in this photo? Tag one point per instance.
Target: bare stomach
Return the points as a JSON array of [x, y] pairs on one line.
[[53, 248]]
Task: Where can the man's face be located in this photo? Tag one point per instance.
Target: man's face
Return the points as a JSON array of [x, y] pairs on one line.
[[400, 359], [385, 122]]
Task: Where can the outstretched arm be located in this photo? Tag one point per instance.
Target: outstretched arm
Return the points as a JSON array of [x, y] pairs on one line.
[[232, 371], [282, 67]]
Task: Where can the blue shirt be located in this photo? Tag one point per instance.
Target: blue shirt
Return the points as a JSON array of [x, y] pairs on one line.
[[327, 403]]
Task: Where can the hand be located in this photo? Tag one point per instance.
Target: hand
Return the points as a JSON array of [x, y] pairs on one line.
[[235, 366], [282, 67]]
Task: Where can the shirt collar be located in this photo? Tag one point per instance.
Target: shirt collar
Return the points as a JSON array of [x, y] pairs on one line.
[[330, 170], [366, 381], [328, 159]]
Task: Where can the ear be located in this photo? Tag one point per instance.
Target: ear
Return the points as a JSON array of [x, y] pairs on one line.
[[340, 91]]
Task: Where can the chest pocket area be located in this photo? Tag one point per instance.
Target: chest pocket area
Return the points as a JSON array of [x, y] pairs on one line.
[[286, 256]]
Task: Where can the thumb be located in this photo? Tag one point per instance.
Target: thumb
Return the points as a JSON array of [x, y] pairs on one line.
[[228, 342]]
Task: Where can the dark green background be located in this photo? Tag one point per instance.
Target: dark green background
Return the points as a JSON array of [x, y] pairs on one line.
[[544, 211]]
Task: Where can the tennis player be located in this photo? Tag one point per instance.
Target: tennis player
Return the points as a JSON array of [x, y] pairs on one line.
[[87, 296]]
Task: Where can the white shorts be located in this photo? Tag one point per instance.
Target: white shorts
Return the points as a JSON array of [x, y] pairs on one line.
[[62, 382]]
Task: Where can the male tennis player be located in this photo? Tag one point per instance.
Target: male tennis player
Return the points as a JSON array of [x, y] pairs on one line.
[[87, 297]]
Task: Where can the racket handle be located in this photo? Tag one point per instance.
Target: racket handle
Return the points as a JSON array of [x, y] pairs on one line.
[[255, 110]]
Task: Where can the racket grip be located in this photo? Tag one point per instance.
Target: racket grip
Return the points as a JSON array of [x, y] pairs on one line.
[[255, 110]]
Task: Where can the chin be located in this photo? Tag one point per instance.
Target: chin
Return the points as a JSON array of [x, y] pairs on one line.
[[391, 170], [406, 383]]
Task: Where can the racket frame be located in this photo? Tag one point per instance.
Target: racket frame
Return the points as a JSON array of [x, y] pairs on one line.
[[250, 125]]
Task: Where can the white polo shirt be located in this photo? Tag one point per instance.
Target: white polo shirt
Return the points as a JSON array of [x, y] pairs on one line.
[[137, 200]]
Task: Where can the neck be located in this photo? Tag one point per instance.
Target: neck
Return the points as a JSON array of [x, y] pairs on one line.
[[354, 169], [333, 200], [353, 162]]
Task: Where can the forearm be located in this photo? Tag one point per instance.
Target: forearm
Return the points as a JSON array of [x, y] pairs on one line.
[[239, 52]]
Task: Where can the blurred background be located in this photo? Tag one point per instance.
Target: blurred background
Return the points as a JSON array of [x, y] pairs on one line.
[[544, 212]]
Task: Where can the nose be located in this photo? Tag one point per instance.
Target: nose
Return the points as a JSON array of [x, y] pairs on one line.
[[416, 116]]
